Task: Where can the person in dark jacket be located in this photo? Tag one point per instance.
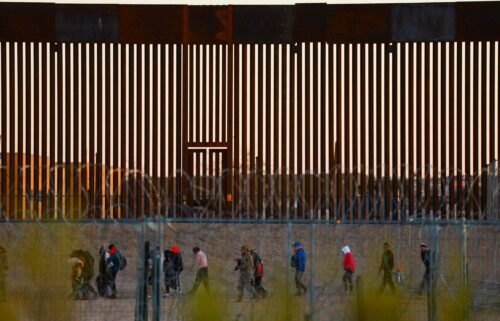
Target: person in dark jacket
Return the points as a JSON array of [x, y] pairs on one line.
[[387, 266], [299, 263], [113, 266], [4, 266], [258, 273], [103, 280], [169, 272], [425, 255], [178, 266]]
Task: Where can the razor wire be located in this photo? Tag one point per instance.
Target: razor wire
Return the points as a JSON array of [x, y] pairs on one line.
[[403, 195]]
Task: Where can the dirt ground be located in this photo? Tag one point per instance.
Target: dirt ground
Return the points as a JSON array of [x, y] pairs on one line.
[[38, 278]]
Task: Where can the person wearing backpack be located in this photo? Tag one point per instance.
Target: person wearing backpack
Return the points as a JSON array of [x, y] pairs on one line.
[[178, 266], [299, 264], [4, 266], [113, 265], [258, 273], [246, 268]]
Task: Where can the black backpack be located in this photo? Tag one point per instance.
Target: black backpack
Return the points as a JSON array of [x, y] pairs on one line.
[[123, 261], [293, 261]]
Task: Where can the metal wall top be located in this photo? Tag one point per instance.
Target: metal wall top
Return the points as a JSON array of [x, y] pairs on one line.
[[362, 23]]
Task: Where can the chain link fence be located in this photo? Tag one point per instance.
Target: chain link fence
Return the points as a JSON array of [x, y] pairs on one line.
[[465, 282]]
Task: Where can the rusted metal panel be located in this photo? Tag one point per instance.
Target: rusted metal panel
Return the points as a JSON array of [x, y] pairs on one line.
[[252, 120], [444, 120], [84, 22], [365, 23], [423, 22], [459, 205], [371, 132], [308, 131], [477, 21], [434, 169], [467, 116], [27, 162], [3, 115], [150, 23], [451, 133], [262, 24], [27, 22], [310, 22], [209, 24]]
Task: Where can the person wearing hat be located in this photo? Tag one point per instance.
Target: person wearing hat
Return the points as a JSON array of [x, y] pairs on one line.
[[348, 265], [178, 266], [245, 266], [425, 255], [299, 263], [113, 266]]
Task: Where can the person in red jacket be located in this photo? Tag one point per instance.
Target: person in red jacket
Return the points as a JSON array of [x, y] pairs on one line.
[[348, 265]]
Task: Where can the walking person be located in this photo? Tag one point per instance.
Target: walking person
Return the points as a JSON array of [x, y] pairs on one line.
[[258, 273], [169, 272], [4, 266], [299, 263], [245, 266], [387, 266], [425, 255], [178, 266], [113, 266], [348, 265], [202, 274]]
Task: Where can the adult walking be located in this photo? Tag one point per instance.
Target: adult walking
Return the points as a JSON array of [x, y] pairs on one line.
[[387, 266], [425, 255], [178, 266], [299, 263], [169, 272], [258, 273], [202, 274], [113, 264], [348, 265], [245, 266]]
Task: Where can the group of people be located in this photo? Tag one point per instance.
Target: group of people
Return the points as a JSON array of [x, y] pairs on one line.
[[387, 266], [82, 272], [250, 267]]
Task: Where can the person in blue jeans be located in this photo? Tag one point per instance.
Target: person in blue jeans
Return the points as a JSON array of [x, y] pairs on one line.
[[299, 263]]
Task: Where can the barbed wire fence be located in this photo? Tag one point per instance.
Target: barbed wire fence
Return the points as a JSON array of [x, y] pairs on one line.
[[465, 273], [406, 195]]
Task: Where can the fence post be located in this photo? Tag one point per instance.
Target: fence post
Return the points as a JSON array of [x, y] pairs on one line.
[[288, 243], [141, 305], [156, 284], [311, 316], [464, 272], [431, 288]]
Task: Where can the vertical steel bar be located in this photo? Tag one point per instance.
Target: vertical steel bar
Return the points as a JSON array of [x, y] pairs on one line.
[[363, 110], [467, 117]]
